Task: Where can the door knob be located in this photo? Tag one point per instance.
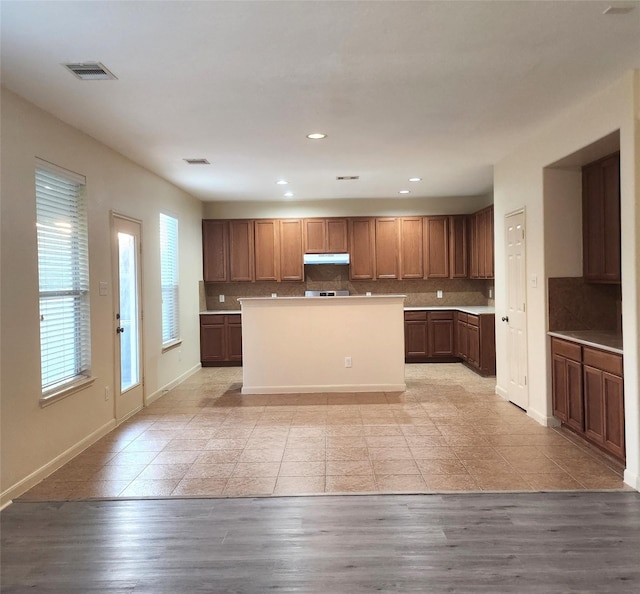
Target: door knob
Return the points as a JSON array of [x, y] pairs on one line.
[[505, 318], [119, 330]]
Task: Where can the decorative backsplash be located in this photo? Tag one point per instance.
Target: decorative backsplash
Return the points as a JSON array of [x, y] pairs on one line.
[[577, 305], [328, 277]]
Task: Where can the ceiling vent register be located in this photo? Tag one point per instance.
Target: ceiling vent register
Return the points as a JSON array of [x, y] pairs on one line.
[[197, 161], [347, 177], [90, 71]]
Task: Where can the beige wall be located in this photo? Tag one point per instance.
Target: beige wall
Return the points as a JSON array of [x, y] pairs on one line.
[[35, 440], [519, 182]]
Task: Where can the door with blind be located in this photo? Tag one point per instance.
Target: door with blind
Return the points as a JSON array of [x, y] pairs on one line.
[[127, 322]]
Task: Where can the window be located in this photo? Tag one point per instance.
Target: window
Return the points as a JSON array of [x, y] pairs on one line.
[[169, 279], [63, 272]]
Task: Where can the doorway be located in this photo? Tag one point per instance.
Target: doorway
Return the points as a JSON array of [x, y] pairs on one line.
[[516, 318], [127, 261]]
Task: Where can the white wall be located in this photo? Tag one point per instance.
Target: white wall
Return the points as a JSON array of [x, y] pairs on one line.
[[519, 182], [35, 440]]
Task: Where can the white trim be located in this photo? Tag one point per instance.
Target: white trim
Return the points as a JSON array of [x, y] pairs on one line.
[[172, 384], [324, 388], [631, 479], [543, 419], [66, 390], [44, 471], [500, 391]]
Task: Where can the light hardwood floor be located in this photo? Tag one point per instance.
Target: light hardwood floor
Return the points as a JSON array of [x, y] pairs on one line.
[[447, 432], [493, 543]]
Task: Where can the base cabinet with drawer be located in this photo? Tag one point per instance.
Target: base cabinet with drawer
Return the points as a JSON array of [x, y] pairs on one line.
[[220, 340], [476, 341], [588, 393]]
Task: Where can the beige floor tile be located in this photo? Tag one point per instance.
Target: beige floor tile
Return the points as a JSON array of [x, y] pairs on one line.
[[303, 454], [295, 485], [426, 441], [132, 458], [600, 480], [350, 484], [71, 472], [382, 430], [349, 467], [164, 471], [344, 430], [219, 443], [437, 453], [265, 443], [484, 466], [347, 454], [501, 482], [477, 453], [400, 483], [426, 429], [451, 482], [303, 432], [209, 487], [386, 441], [147, 445], [535, 466], [187, 457], [390, 453], [465, 440], [98, 489], [311, 468], [346, 441], [210, 471], [150, 488], [395, 467], [437, 467], [218, 457], [306, 442], [256, 469], [233, 432], [50, 490], [266, 455], [182, 445], [552, 481], [119, 472], [248, 486]]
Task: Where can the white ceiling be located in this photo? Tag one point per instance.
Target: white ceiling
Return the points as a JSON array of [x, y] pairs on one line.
[[440, 90]]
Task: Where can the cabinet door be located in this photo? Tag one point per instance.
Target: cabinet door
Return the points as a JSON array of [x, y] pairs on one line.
[[437, 247], [291, 265], [241, 251], [212, 338], [215, 250], [575, 402], [440, 333], [411, 247], [462, 339], [559, 394], [362, 248], [336, 242], [315, 236], [612, 386], [593, 404], [387, 248], [458, 251], [267, 250], [415, 339], [234, 337], [474, 345], [481, 243], [489, 240], [473, 246]]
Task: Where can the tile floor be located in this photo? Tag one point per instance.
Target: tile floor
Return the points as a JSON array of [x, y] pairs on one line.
[[447, 432]]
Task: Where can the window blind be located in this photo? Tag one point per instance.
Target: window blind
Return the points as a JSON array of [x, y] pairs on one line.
[[63, 271], [169, 278]]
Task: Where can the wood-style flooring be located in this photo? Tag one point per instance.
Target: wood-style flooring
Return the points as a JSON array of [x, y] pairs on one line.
[[447, 432], [504, 542]]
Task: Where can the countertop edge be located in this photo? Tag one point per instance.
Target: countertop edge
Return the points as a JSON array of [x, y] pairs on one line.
[[569, 336], [472, 309]]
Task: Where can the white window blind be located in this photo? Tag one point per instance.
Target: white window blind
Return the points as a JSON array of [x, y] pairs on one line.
[[63, 271], [169, 279]]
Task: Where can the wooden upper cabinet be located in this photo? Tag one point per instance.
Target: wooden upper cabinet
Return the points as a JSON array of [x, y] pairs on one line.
[[411, 247], [291, 259], [601, 220], [267, 250], [458, 249], [325, 236], [215, 250], [489, 239], [436, 230], [387, 247], [241, 251], [481, 244], [362, 248]]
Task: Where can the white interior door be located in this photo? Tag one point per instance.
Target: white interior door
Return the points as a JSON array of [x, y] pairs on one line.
[[516, 317], [129, 391]]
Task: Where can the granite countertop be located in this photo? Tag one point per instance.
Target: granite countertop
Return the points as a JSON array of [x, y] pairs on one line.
[[472, 309], [607, 341]]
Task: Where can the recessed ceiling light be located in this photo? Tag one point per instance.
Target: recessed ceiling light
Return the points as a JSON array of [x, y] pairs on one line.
[[415, 179], [404, 192], [288, 195], [282, 182], [316, 136], [197, 161], [621, 9]]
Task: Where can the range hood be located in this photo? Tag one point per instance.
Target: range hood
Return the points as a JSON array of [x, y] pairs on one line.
[[326, 259]]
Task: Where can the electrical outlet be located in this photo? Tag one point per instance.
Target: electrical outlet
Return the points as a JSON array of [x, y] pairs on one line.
[[490, 293], [439, 294], [107, 393], [221, 298], [368, 294], [347, 361], [274, 294]]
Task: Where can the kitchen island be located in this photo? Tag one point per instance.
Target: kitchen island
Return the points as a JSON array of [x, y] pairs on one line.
[[323, 344]]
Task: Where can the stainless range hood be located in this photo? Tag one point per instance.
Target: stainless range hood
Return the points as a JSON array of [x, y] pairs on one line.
[[341, 259]]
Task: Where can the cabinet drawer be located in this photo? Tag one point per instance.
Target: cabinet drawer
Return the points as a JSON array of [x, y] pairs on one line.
[[602, 360], [472, 320], [411, 316], [462, 317], [569, 350], [213, 319], [441, 315]]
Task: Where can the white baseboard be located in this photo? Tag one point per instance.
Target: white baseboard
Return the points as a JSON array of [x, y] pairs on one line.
[[543, 419], [324, 388], [172, 384], [44, 471], [631, 479], [500, 391]]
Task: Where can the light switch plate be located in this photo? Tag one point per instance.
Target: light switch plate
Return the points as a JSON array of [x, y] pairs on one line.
[[439, 294], [103, 289]]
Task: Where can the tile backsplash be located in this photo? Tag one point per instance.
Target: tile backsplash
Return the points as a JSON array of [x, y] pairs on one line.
[[329, 277], [577, 305]]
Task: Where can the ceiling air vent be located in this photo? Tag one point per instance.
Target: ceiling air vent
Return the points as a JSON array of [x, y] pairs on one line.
[[347, 177], [197, 161], [620, 9], [90, 71]]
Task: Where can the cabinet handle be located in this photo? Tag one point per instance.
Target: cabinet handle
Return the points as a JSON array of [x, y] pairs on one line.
[[505, 319]]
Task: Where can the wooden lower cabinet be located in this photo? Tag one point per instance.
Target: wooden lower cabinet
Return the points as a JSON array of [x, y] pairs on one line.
[[220, 339], [416, 346], [476, 341], [588, 393], [441, 334]]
